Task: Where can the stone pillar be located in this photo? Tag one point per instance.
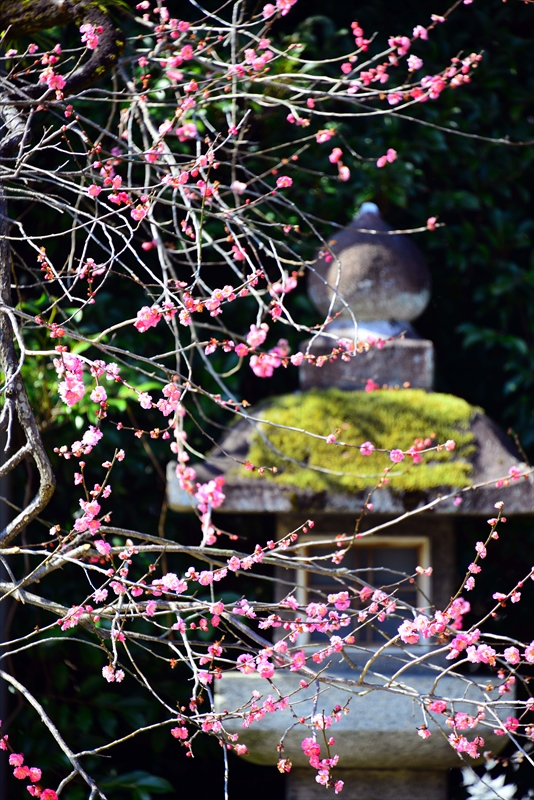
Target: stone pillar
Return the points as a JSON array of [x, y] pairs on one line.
[[371, 784], [400, 362]]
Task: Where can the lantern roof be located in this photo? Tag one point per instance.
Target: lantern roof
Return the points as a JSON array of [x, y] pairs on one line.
[[313, 476]]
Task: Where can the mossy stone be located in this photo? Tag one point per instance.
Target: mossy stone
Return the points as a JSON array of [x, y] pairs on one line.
[[388, 418]]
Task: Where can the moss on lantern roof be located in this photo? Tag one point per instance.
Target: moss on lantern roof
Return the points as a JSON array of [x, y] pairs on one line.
[[388, 418]]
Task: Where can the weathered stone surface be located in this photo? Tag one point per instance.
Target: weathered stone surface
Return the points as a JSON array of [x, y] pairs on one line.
[[398, 362], [367, 784], [493, 457], [379, 732], [379, 275]]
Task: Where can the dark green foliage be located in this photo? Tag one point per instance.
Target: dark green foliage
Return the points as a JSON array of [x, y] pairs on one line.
[[481, 315]]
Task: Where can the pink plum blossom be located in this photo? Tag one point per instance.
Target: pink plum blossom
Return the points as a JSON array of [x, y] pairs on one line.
[[90, 35], [414, 62], [180, 733], [481, 549], [419, 32], [210, 495], [52, 79], [323, 136], [147, 318], [186, 131], [145, 400], [71, 390], [284, 6], [98, 395], [238, 187], [367, 449], [263, 366], [112, 675], [512, 655], [437, 706], [139, 212], [335, 155], [103, 547], [257, 334], [389, 158], [283, 181]]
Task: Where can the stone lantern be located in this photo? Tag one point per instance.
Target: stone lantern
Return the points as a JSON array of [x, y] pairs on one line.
[[384, 284]]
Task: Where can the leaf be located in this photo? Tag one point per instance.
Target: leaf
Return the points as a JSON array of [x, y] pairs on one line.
[[140, 794], [139, 780], [108, 721]]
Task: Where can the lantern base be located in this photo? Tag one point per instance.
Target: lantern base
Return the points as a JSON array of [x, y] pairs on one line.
[[371, 784]]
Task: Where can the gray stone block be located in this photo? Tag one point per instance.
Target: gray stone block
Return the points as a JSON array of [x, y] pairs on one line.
[[369, 784], [379, 732], [399, 362]]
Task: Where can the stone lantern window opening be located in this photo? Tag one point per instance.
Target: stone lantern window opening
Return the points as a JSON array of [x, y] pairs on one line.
[[381, 562]]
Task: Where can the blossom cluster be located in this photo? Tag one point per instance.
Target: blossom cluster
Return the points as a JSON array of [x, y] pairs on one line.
[[23, 772]]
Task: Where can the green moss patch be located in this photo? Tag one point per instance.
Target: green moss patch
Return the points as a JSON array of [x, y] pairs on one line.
[[388, 419]]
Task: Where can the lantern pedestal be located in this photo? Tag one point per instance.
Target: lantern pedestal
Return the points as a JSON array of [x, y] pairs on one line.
[[367, 784], [381, 756]]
